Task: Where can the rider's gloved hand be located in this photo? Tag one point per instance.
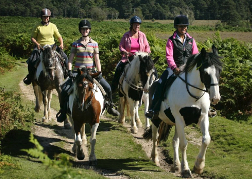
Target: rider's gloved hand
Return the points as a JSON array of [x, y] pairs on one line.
[[176, 71], [70, 74]]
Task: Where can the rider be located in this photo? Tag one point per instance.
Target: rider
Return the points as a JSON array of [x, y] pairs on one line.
[[43, 34], [86, 53], [180, 46], [132, 41]]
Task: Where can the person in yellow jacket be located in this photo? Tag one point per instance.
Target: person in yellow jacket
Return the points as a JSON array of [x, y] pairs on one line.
[[43, 34]]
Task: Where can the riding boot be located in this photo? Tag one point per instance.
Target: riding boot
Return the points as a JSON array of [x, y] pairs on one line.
[[31, 71], [117, 75], [111, 110], [110, 105], [61, 115]]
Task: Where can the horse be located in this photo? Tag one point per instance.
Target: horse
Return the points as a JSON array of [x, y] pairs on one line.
[[187, 101], [49, 75], [86, 105], [135, 81]]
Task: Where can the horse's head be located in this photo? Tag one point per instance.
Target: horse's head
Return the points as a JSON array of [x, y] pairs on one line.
[[210, 68], [83, 86], [48, 59], [146, 69]]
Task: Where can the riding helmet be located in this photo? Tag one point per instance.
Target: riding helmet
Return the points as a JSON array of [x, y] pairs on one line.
[[84, 24], [135, 19], [181, 20], [45, 12]]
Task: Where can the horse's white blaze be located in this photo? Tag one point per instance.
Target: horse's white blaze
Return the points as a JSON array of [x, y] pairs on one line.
[[214, 90]]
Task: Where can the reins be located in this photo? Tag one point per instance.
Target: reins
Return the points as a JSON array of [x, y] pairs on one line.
[[188, 84]]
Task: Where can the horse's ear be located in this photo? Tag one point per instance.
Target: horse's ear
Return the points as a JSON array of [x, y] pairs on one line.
[[94, 75], [156, 59], [140, 57], [214, 49], [54, 47], [203, 52], [79, 71]]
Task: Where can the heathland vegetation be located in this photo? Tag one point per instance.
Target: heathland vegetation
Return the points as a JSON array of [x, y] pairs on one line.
[[229, 131], [231, 12]]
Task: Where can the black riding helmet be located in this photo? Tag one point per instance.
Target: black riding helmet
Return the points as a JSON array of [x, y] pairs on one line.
[[45, 12], [181, 20], [84, 24], [135, 19]]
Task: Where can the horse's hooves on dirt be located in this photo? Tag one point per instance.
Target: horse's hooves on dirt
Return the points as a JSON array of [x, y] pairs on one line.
[[93, 163], [134, 130], [197, 170], [186, 174]]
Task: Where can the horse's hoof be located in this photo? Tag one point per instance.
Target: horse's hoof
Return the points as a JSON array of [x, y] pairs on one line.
[[175, 169], [93, 163], [44, 119], [67, 126], [186, 174], [134, 130], [197, 170], [36, 109]]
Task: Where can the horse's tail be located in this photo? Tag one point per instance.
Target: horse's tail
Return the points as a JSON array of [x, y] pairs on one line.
[[164, 131]]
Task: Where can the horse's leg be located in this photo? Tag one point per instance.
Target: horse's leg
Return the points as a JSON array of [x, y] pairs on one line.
[[92, 157], [200, 162], [45, 102], [49, 98], [176, 162], [38, 96], [83, 135], [78, 140], [145, 99], [138, 121], [154, 152], [132, 106], [121, 109], [185, 170]]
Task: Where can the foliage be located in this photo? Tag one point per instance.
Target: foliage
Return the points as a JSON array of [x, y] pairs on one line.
[[236, 78], [7, 161], [13, 114], [229, 12]]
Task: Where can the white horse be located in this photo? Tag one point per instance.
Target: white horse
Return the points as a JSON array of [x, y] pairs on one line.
[[86, 105], [187, 101], [136, 80], [49, 75]]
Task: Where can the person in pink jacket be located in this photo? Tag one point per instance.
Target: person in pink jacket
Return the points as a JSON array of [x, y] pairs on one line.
[[132, 41], [180, 46]]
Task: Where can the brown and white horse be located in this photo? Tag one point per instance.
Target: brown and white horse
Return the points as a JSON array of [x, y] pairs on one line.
[[136, 81], [86, 104]]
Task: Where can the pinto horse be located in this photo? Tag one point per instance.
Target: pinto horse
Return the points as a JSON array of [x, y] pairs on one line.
[[187, 101], [86, 104], [136, 81], [49, 75]]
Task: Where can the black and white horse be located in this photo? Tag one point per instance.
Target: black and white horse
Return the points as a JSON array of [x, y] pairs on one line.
[[137, 78], [49, 75], [187, 101]]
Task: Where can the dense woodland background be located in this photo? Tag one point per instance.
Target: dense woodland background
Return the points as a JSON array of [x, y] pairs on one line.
[[235, 13]]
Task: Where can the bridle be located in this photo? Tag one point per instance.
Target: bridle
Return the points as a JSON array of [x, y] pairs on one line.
[[81, 105], [188, 84]]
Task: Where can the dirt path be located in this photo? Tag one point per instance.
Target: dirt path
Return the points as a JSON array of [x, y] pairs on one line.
[[48, 136]]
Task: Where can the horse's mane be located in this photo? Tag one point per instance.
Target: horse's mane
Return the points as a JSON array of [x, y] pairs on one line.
[[212, 59]]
